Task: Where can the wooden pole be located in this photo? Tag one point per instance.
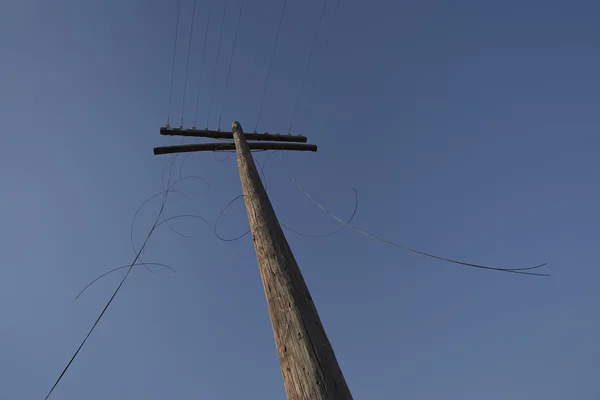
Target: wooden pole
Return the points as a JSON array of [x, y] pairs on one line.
[[308, 364]]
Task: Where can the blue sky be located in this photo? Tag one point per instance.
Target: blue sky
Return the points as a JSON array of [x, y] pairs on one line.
[[470, 130]]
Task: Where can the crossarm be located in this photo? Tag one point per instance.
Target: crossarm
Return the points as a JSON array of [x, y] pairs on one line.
[[229, 135], [186, 148]]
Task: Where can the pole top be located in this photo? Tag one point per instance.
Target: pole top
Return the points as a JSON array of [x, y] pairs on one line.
[[236, 125]]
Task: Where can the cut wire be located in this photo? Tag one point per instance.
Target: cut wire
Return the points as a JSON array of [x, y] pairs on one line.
[[135, 262], [347, 224], [166, 220], [112, 297], [119, 268], [219, 217], [264, 177], [512, 270]]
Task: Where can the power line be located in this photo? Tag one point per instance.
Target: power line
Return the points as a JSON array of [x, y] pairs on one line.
[[173, 66], [123, 267], [307, 66], [137, 256], [262, 100], [319, 64], [511, 270], [237, 28], [203, 59], [212, 86], [187, 68]]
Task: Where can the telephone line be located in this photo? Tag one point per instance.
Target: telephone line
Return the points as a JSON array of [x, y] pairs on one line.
[[212, 86], [310, 54], [187, 67], [262, 100], [203, 60], [319, 64], [173, 65], [237, 28]]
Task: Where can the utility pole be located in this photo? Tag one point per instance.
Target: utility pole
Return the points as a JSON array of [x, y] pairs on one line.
[[308, 364]]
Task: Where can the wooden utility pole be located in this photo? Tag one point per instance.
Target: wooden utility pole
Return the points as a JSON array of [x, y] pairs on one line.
[[308, 364]]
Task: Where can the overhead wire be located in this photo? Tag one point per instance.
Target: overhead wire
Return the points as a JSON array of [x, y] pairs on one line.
[[119, 268], [365, 233], [322, 235], [212, 86], [319, 65], [136, 214], [137, 260], [262, 99], [310, 54], [137, 256], [372, 236], [173, 65], [187, 67], [237, 28], [264, 178], [202, 64]]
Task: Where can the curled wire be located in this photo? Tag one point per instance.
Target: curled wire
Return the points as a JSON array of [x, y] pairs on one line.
[[293, 230], [116, 291], [511, 270], [183, 159], [140, 209], [166, 220], [219, 217], [125, 266], [262, 172], [332, 232], [347, 224]]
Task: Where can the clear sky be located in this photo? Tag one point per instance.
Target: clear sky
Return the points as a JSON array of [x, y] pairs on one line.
[[469, 129]]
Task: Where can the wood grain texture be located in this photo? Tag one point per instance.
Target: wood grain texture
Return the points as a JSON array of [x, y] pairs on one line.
[[308, 364], [186, 148], [229, 135]]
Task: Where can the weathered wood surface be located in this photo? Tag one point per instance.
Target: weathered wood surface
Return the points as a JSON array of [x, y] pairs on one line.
[[308, 364], [269, 137], [186, 148]]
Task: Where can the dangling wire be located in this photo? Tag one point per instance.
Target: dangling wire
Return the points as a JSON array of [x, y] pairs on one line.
[[123, 267], [136, 261], [203, 59], [319, 64], [312, 49], [237, 28], [511, 270], [173, 66], [262, 100], [212, 86], [321, 235], [187, 67], [137, 256]]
